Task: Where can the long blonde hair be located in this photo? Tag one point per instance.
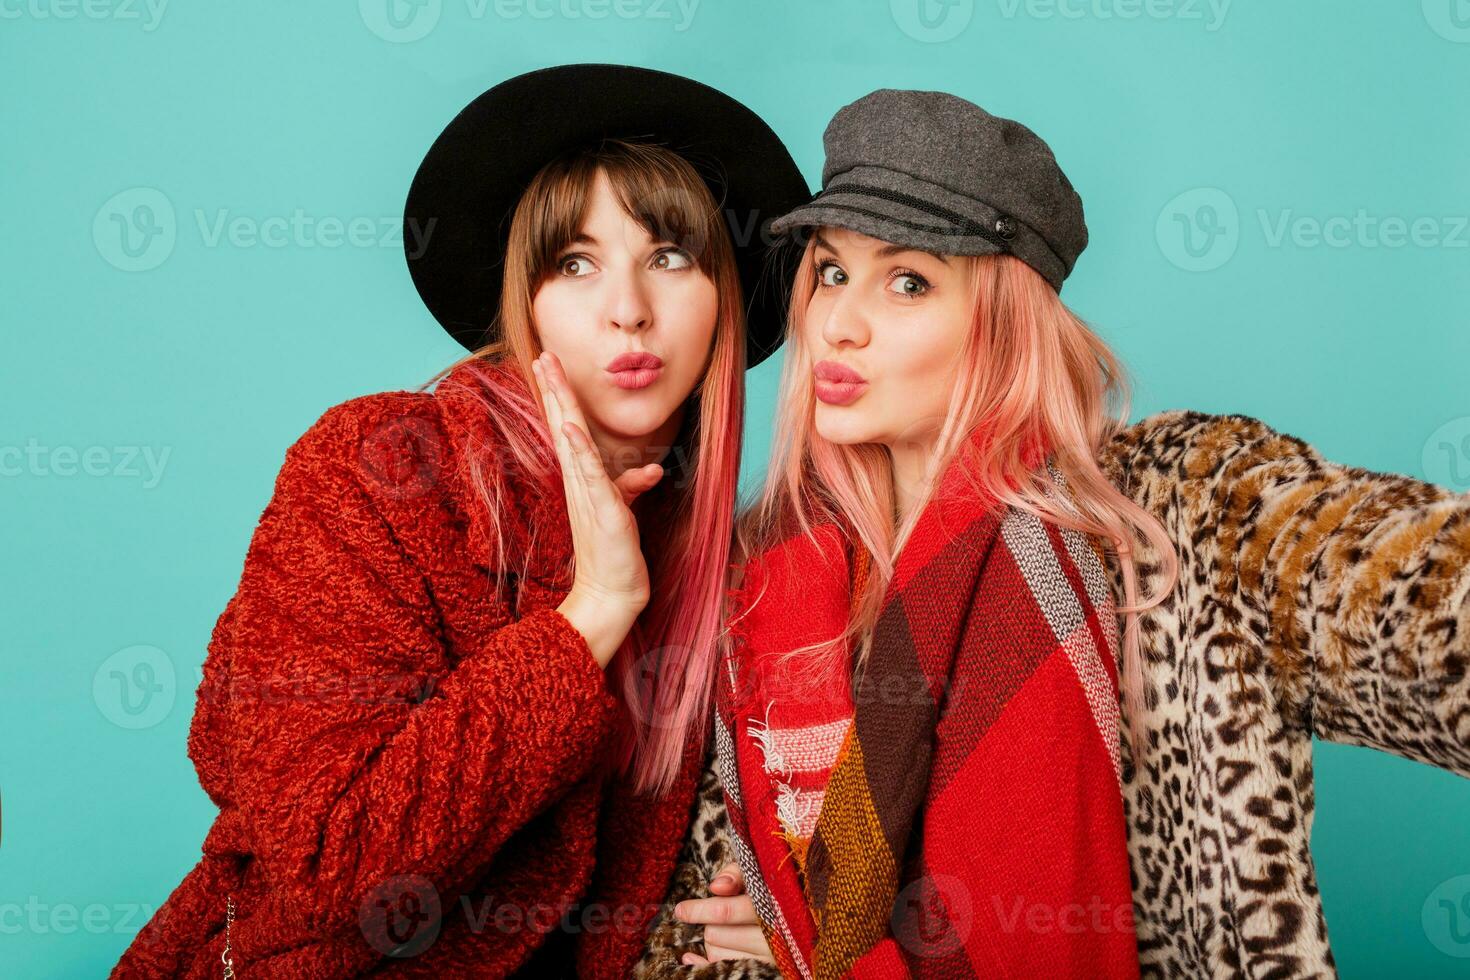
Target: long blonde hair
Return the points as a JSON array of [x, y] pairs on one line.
[[1030, 370]]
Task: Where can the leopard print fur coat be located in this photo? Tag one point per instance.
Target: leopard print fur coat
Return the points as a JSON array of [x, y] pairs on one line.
[[1313, 599]]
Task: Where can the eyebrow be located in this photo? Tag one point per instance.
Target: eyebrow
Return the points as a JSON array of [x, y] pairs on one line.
[[885, 252]]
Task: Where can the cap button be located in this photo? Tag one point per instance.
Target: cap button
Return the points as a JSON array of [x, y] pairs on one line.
[[1005, 227]]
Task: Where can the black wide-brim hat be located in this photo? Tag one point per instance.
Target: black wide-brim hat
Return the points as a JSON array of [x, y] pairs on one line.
[[470, 181]]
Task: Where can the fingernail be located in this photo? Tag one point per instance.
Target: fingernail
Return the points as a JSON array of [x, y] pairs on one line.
[[723, 880], [679, 910]]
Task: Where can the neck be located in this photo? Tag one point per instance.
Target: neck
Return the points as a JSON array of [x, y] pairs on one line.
[[621, 453], [911, 462]]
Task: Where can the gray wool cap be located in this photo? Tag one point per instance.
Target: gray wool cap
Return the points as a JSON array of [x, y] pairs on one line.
[[932, 171]]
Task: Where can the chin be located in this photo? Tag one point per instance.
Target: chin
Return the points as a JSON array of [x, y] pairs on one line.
[[841, 426], [636, 417]]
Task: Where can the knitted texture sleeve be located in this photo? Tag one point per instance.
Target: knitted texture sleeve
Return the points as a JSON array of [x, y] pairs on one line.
[[350, 762]]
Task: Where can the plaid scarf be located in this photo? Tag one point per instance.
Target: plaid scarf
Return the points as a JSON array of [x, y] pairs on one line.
[[958, 810]]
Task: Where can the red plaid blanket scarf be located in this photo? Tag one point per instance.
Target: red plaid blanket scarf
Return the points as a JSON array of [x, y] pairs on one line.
[[958, 812]]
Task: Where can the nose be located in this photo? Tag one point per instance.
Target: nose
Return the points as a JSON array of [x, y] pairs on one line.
[[628, 305], [846, 322]]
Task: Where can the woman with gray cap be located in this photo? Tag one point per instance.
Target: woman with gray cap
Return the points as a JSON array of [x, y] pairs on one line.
[[947, 424]]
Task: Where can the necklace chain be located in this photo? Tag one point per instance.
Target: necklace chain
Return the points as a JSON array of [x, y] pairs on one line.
[[225, 953]]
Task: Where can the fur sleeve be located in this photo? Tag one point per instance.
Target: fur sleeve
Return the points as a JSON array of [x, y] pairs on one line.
[[1357, 580]]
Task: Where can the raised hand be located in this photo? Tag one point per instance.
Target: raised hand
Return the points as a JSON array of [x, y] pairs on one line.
[[610, 586]]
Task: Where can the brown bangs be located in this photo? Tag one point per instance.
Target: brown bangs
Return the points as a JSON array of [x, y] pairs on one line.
[[660, 190]]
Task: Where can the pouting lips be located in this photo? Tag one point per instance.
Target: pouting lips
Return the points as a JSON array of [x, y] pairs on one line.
[[635, 369], [837, 384]]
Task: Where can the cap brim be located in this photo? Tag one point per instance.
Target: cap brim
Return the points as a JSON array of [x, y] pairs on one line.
[[900, 208], [912, 229]]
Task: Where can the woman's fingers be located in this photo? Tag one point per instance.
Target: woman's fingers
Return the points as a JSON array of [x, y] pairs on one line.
[[581, 466], [571, 409], [604, 498], [734, 911], [565, 409], [551, 406], [721, 953], [548, 399], [743, 940], [583, 455], [728, 880], [610, 586], [731, 928], [635, 482]]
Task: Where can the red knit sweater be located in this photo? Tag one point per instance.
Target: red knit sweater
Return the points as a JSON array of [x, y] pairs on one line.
[[385, 737]]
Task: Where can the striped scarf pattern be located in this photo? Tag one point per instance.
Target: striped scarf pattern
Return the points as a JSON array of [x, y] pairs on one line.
[[913, 823]]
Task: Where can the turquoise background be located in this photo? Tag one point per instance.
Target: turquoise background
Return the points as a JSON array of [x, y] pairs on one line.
[[224, 351]]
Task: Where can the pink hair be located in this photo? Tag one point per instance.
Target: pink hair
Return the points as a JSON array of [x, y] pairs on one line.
[[686, 523], [1031, 372]]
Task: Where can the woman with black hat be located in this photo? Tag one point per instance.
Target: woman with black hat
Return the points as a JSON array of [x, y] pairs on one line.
[[453, 716], [945, 432]]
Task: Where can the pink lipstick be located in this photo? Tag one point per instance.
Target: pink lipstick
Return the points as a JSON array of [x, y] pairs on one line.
[[838, 384], [635, 369]]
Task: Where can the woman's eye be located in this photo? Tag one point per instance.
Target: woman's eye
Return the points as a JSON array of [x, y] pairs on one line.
[[575, 266], [910, 285], [673, 258], [830, 275]]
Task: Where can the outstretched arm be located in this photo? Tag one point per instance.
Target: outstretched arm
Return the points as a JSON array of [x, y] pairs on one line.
[[1362, 579], [1370, 573]]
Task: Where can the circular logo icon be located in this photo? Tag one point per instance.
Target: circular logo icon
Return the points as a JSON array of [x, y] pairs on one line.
[[402, 916], [651, 703], [135, 687], [402, 457], [1199, 230], [400, 21], [933, 915], [672, 217], [135, 230], [1446, 917], [932, 21], [1450, 19], [1447, 455]]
